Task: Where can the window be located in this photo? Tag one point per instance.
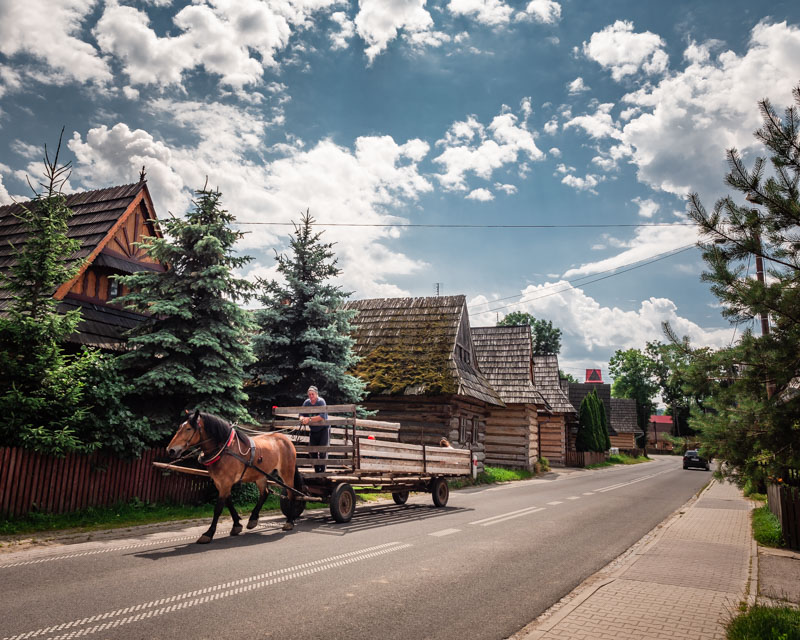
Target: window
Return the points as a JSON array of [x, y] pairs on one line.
[[462, 429], [475, 424], [113, 289]]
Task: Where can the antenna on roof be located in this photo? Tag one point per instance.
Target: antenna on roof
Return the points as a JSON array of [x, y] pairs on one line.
[[436, 288], [142, 175]]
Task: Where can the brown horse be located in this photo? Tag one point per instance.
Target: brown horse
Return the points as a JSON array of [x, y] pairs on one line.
[[231, 457]]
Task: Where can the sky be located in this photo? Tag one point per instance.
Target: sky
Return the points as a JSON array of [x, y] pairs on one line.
[[533, 156]]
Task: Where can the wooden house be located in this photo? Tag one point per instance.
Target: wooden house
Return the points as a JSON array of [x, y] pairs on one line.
[[555, 416], [505, 357], [623, 423], [108, 223], [419, 363], [657, 428]]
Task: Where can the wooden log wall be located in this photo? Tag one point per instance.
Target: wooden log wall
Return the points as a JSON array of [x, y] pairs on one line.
[[33, 482], [512, 436], [623, 441], [553, 439], [428, 419]]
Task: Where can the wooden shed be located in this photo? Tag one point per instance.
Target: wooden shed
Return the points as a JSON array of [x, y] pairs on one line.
[[623, 423], [418, 360], [554, 418], [108, 223], [505, 357]]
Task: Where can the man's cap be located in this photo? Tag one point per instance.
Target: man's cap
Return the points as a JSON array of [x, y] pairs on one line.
[[313, 388]]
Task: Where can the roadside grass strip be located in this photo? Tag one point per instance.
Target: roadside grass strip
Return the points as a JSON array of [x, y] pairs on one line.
[[154, 608], [507, 516]]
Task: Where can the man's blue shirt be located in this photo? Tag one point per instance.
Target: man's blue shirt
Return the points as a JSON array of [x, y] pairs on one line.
[[316, 428]]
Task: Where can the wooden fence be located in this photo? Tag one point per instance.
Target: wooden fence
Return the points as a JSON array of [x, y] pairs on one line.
[[33, 482], [784, 502], [584, 458]]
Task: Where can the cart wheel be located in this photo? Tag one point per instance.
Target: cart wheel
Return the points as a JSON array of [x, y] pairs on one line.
[[400, 497], [291, 508], [440, 491], [343, 502]]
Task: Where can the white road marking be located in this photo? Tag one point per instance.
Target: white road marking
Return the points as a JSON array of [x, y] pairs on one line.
[[506, 516], [516, 515], [555, 502], [208, 594], [574, 498], [444, 532], [625, 484], [589, 493]]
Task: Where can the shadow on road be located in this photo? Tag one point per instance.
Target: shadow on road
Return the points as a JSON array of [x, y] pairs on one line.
[[378, 516]]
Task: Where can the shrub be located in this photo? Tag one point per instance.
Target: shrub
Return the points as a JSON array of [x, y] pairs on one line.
[[765, 623], [766, 528], [544, 463]]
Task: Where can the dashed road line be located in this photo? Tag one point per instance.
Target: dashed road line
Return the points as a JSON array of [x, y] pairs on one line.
[[507, 516], [444, 532], [619, 485], [555, 502], [511, 517], [574, 498], [589, 493], [209, 594]]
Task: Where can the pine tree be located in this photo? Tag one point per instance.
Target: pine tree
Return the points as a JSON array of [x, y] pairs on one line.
[[304, 333], [41, 386], [749, 418], [592, 425], [193, 351]]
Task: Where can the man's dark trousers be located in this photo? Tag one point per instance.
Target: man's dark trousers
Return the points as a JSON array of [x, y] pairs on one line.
[[320, 438]]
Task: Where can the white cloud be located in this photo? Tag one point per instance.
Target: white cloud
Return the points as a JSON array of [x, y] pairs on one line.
[[587, 183], [690, 118], [49, 31], [489, 12], [542, 11], [646, 243], [647, 208], [600, 124], [624, 52], [379, 21], [4, 197], [555, 152], [508, 189], [363, 184], [551, 126], [481, 195], [562, 168], [347, 29], [10, 80], [593, 332], [469, 147], [234, 40], [577, 86]]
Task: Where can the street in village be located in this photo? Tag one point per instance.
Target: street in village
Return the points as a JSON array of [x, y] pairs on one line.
[[483, 567]]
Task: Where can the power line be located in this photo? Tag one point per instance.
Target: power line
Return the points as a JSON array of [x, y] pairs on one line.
[[639, 266], [476, 226]]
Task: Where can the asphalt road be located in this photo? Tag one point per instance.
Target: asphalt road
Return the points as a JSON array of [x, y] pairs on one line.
[[483, 567]]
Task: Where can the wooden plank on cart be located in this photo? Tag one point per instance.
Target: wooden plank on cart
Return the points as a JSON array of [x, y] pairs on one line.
[[293, 412]]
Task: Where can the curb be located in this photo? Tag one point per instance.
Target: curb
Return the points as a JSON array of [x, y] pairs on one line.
[[542, 625]]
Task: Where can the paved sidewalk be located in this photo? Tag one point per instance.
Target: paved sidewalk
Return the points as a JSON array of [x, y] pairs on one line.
[[685, 582]]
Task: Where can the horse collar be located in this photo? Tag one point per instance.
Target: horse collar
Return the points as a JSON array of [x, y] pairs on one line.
[[218, 455]]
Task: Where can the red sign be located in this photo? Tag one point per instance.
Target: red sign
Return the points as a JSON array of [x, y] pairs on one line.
[[594, 376]]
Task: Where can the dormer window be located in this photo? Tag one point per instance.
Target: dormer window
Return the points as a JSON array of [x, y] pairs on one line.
[[462, 354], [113, 289]]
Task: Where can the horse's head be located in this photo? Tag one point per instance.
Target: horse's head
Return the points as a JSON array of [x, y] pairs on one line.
[[188, 434]]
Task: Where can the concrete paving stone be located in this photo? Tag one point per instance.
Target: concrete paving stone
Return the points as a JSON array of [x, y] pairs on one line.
[[628, 598], [702, 565], [722, 503], [724, 526], [779, 577]]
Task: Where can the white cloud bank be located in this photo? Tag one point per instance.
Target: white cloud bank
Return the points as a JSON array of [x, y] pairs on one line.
[[378, 22], [624, 52], [496, 13]]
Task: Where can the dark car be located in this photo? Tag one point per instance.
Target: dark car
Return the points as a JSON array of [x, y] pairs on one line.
[[692, 458]]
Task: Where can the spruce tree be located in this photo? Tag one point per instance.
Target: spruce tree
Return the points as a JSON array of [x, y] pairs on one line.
[[194, 350], [41, 386], [303, 332], [592, 425]]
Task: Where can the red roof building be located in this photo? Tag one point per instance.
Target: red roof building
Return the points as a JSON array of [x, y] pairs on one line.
[[657, 427]]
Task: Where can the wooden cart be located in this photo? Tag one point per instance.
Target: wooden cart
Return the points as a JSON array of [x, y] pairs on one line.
[[365, 456]]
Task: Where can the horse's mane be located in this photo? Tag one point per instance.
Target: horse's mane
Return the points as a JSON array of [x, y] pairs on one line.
[[216, 427]]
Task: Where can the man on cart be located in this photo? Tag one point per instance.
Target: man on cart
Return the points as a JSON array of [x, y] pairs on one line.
[[320, 432]]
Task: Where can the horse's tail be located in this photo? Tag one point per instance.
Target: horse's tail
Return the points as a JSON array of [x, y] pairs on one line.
[[299, 483]]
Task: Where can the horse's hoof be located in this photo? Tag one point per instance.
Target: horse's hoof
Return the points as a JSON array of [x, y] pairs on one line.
[[237, 529], [204, 539], [288, 526], [251, 524]]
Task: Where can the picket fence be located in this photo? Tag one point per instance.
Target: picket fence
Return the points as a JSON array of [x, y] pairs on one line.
[[584, 458], [33, 482]]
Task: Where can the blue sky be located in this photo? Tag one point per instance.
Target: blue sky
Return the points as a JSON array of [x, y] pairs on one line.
[[455, 112]]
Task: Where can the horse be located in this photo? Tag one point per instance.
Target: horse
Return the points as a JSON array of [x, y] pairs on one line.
[[232, 457]]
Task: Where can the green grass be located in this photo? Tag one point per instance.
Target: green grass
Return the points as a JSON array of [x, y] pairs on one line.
[[765, 623], [136, 512], [619, 458], [766, 528]]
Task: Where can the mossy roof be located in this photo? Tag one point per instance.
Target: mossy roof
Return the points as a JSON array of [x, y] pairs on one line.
[[505, 358], [407, 346]]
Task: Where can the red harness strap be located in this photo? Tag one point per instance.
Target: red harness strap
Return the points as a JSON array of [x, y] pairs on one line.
[[218, 455]]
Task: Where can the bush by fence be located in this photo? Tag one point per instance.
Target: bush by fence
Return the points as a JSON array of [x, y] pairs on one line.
[[33, 482]]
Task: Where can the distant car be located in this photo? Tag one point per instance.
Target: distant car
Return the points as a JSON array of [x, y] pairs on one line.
[[692, 458]]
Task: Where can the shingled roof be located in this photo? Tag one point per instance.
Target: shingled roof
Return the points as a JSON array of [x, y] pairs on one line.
[[417, 346], [504, 357], [546, 381], [623, 416], [579, 390], [95, 214]]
